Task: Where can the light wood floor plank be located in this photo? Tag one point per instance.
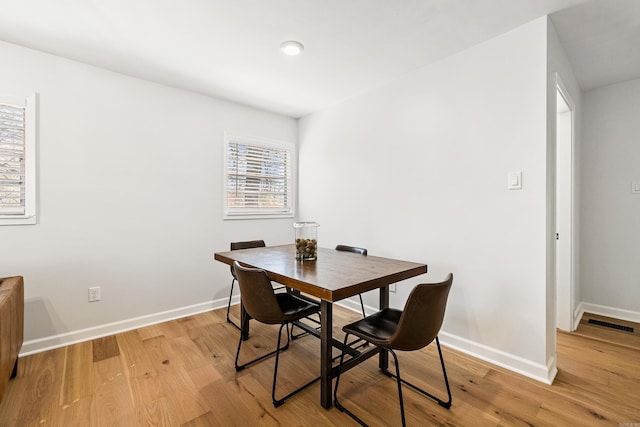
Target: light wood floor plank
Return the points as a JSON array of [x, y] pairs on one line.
[[37, 402], [144, 385], [112, 404], [154, 414], [77, 381], [75, 414]]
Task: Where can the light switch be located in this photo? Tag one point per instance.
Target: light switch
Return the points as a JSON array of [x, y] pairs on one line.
[[635, 187], [514, 180]]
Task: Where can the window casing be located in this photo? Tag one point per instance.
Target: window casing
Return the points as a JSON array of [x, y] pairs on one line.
[[259, 178], [18, 160]]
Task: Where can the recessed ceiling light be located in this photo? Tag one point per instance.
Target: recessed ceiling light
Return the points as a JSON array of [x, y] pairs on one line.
[[291, 48]]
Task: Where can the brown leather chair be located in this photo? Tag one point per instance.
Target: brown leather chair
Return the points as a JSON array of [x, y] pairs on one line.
[[234, 247], [361, 251], [411, 329], [263, 304], [11, 328]]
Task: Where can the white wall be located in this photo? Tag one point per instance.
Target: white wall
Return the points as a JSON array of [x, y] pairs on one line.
[[610, 227], [130, 194], [418, 170]]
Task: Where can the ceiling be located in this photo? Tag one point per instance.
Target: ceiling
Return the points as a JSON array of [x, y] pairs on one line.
[[602, 41], [230, 48]]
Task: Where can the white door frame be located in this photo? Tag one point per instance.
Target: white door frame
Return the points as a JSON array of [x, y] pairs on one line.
[[564, 274]]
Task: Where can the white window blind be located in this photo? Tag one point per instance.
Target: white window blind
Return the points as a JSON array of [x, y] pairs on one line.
[[17, 160], [12, 159], [258, 178]]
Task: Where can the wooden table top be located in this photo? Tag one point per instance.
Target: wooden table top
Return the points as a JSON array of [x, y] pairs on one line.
[[334, 276]]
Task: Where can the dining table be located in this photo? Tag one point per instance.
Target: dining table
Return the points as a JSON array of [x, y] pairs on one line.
[[332, 277]]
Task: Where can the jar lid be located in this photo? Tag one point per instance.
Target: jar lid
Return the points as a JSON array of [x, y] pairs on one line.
[[300, 224]]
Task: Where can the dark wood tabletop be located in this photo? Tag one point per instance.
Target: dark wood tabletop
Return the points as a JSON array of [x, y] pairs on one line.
[[334, 276]]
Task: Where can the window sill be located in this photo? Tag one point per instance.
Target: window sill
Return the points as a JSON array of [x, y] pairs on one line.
[[17, 220], [257, 216]]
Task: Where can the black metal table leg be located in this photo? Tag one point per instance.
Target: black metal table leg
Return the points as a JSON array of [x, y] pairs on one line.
[[384, 303], [326, 345], [244, 323]]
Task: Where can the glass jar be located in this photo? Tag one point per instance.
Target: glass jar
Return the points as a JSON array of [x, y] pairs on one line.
[[306, 240]]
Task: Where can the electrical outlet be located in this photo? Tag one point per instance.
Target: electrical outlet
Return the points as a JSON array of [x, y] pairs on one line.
[[94, 294], [392, 288]]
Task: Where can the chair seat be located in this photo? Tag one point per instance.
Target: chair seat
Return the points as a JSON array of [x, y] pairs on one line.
[[376, 328], [295, 308]]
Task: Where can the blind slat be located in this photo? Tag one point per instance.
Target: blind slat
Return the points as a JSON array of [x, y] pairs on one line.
[[12, 160]]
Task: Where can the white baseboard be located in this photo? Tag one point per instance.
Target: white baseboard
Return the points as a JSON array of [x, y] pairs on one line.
[[577, 316], [354, 305], [543, 373], [73, 337], [602, 310]]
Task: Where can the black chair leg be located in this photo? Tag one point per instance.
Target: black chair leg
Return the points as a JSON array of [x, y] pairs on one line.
[[279, 402], [444, 404], [364, 313], [399, 381], [14, 372], [341, 407], [229, 306], [336, 402], [276, 402], [264, 356]]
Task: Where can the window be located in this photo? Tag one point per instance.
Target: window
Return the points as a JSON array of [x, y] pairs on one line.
[[258, 178], [17, 160]]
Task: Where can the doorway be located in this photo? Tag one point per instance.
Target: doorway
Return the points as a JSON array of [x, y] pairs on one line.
[[565, 300]]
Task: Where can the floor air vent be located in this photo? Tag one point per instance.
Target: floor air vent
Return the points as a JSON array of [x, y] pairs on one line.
[[611, 325]]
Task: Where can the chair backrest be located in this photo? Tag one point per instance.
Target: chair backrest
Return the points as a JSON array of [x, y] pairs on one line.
[[422, 316], [345, 248], [246, 245], [257, 294]]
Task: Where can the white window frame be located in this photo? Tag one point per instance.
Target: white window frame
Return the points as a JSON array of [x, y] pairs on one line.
[[259, 213], [30, 147]]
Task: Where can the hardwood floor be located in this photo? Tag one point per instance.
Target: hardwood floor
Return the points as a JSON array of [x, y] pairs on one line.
[[180, 373]]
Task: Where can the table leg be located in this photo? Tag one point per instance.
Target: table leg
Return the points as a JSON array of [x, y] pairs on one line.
[[326, 338], [244, 323], [384, 303]]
